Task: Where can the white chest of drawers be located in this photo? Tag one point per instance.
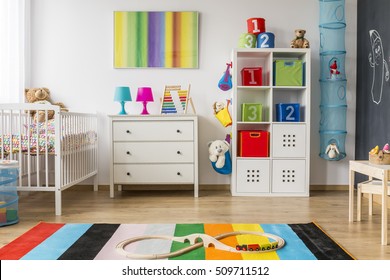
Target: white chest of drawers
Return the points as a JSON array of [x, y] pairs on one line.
[[153, 149]]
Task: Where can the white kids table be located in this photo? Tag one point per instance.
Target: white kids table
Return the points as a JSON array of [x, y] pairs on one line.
[[380, 172]]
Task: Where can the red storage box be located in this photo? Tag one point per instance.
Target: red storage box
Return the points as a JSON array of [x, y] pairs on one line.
[[253, 143], [252, 76]]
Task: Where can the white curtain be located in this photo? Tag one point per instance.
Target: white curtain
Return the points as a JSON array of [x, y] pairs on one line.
[[14, 49]]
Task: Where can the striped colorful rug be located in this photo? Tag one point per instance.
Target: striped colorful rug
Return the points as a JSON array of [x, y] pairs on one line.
[[55, 241]]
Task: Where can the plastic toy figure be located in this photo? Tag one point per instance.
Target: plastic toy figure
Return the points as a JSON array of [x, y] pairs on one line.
[[334, 72]]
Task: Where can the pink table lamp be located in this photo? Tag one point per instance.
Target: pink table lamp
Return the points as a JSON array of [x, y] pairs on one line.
[[144, 95]]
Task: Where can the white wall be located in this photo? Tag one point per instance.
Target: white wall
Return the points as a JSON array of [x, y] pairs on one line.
[[72, 54]]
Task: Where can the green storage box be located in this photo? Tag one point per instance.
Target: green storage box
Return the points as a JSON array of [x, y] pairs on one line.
[[288, 73], [251, 112]]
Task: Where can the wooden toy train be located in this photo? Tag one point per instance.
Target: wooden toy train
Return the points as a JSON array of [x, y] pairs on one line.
[[257, 247]]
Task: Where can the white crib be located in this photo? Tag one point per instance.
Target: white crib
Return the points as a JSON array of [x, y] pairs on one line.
[[53, 155]]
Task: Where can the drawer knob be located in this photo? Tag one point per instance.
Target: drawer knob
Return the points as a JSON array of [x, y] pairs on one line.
[[128, 174], [128, 131], [178, 152], [178, 174], [178, 131], [128, 153]]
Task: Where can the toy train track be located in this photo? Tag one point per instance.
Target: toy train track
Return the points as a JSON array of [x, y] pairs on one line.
[[198, 240]]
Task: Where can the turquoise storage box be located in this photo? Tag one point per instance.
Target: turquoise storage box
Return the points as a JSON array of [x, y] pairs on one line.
[[9, 172], [288, 73]]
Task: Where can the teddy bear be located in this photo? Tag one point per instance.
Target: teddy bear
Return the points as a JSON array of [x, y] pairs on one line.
[[41, 96], [217, 151], [300, 41], [218, 106]]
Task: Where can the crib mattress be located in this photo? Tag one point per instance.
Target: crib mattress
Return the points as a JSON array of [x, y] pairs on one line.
[[40, 137], [45, 142]]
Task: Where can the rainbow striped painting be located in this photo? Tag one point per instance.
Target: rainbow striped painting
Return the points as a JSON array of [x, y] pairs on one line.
[[155, 39]]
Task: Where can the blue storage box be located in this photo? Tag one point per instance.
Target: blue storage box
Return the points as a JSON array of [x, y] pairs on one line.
[[287, 112]]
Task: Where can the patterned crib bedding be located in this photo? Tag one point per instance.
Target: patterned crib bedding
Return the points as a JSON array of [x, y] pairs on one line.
[[24, 142], [41, 137]]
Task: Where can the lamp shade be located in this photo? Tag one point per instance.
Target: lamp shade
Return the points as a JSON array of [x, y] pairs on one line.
[[144, 94], [122, 94]]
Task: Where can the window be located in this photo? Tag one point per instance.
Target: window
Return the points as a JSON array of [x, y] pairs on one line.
[[14, 15]]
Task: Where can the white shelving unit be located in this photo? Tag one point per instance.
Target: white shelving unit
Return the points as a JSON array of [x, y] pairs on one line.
[[285, 172]]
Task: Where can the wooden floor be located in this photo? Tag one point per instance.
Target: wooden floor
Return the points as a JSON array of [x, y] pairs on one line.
[[328, 208]]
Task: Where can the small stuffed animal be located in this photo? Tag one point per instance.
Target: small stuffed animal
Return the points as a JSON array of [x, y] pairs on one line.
[[386, 148], [217, 150], [300, 41], [218, 106], [221, 112], [374, 150], [332, 151], [41, 96], [334, 72]]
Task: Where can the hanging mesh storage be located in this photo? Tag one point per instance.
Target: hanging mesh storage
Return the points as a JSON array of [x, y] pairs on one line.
[[332, 80]]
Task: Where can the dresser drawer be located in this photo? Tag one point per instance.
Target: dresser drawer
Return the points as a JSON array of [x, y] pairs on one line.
[[153, 131], [153, 173], [150, 152]]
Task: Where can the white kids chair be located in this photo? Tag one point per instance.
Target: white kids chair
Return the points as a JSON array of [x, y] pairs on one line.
[[369, 187]]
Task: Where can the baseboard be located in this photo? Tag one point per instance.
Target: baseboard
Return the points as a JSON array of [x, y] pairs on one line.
[[175, 187], [211, 187], [156, 187], [329, 187], [205, 187]]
